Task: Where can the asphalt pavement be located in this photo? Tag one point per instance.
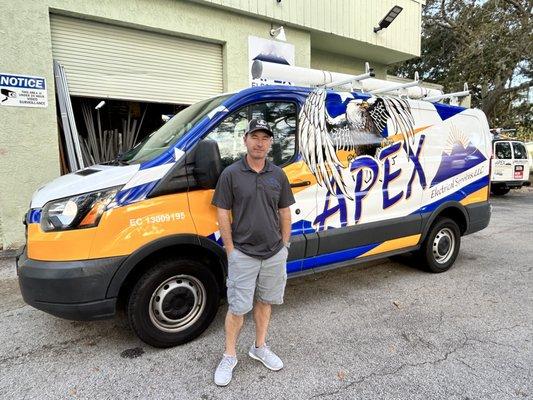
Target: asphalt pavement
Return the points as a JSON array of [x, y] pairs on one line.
[[380, 330]]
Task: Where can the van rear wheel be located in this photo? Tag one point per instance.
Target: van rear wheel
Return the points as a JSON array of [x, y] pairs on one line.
[[173, 302], [441, 246]]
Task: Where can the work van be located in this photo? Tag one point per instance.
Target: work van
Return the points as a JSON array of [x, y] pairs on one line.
[[372, 176], [510, 166]]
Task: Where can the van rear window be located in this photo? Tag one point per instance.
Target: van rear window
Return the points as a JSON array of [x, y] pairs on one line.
[[519, 151], [503, 150]]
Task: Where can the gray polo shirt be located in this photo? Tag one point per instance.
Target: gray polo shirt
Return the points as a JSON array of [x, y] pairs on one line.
[[254, 199]]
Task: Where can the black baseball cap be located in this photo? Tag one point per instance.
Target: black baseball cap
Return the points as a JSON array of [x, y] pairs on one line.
[[259, 125]]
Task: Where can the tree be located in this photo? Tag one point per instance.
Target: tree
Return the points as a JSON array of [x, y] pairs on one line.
[[487, 43]]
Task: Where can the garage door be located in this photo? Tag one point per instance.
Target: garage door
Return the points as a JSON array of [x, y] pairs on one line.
[[103, 60]]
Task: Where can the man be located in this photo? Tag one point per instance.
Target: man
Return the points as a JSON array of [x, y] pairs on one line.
[[257, 194]]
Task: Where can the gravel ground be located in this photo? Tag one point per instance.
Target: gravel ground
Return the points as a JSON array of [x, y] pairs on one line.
[[380, 330]]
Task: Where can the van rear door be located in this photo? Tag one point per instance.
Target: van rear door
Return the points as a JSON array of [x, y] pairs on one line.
[[520, 162], [502, 163]]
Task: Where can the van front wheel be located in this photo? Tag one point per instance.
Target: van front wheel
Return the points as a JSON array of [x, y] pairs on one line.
[[440, 248], [173, 302]]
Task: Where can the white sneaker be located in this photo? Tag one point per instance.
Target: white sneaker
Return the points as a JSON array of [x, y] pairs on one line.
[[266, 356], [224, 371]]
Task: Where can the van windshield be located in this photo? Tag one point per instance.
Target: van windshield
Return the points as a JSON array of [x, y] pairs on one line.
[[160, 140]]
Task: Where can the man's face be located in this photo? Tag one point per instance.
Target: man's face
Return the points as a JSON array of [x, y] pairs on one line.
[[257, 144]]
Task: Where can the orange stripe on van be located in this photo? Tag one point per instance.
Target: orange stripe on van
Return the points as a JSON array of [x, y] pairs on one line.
[[59, 246], [476, 197], [394, 244], [399, 136], [121, 231], [299, 172]]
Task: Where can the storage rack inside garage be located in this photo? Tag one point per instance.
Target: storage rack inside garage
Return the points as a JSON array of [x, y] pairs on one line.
[[95, 131]]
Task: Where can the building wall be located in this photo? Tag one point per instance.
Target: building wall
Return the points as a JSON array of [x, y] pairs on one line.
[[352, 19], [335, 62], [28, 138]]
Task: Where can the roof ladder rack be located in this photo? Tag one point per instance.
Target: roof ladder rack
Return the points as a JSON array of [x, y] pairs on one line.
[[369, 73], [463, 93], [366, 83], [399, 86]]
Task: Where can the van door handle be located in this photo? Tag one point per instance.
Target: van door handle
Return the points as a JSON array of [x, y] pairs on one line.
[[300, 184]]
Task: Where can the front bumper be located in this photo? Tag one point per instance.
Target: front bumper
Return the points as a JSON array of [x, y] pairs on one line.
[[68, 289]]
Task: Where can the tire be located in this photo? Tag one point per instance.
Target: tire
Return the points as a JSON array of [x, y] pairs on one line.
[[173, 302], [499, 191], [441, 246]]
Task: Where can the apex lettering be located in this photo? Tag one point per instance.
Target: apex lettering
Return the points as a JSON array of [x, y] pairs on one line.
[[363, 186]]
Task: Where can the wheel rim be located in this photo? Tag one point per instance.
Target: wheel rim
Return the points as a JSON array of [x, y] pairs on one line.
[[443, 245], [177, 303]]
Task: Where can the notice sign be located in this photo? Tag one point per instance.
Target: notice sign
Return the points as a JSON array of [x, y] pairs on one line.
[[22, 91]]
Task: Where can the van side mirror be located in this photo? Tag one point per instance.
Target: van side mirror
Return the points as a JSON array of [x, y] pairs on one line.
[[207, 164]]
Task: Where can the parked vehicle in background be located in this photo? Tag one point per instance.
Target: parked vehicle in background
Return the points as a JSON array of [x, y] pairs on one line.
[[529, 148], [510, 166]]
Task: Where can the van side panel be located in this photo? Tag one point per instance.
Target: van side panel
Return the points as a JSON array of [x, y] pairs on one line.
[[395, 175], [380, 189]]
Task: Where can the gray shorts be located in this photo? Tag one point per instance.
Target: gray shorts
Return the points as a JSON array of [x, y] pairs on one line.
[[248, 275]]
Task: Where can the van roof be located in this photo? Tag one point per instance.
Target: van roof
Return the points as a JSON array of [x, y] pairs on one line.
[[302, 90]]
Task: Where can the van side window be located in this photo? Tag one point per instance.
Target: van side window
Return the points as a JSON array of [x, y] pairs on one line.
[[281, 116], [503, 150], [282, 120], [519, 151], [228, 134]]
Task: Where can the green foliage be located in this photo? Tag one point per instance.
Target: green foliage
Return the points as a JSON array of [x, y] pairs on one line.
[[488, 44], [524, 134]]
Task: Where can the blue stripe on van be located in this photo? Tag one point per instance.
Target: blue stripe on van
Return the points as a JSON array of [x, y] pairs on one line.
[[294, 266], [34, 216], [330, 258], [134, 194], [456, 196], [446, 111]]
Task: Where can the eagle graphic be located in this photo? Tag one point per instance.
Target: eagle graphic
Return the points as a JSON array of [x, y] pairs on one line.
[[321, 135]]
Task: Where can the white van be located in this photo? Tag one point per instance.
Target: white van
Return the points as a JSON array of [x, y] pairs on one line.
[[510, 166], [373, 177]]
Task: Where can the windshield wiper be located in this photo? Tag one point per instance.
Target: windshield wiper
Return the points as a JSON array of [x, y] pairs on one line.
[[116, 161]]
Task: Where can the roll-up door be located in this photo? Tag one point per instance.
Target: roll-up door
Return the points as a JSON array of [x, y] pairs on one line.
[[109, 61]]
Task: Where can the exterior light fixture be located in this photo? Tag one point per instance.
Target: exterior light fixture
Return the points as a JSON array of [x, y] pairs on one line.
[[278, 33], [387, 20]]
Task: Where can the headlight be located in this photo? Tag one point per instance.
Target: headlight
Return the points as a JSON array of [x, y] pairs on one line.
[[81, 211]]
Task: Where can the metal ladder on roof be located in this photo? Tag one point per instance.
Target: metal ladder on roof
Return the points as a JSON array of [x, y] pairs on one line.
[[364, 83]]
